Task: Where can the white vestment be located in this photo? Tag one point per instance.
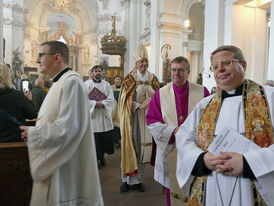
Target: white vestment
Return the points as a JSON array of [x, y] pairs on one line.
[[62, 149], [101, 118], [260, 161], [162, 131]]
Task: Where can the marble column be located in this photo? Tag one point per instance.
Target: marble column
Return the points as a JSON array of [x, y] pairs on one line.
[[213, 34], [185, 34], [13, 28], [166, 28], [154, 38], [270, 72], [195, 66]]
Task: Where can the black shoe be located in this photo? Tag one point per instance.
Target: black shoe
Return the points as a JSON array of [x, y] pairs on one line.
[[117, 145], [140, 187], [124, 187], [103, 161]]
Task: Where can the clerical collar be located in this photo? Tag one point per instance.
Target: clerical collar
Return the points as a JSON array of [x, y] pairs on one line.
[[236, 92], [143, 77], [185, 86], [58, 76], [96, 81]]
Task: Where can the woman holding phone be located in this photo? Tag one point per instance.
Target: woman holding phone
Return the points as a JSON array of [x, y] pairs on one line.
[[15, 107]]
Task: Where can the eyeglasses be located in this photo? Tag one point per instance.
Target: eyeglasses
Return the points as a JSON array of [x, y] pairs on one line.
[[42, 54], [224, 63], [178, 70]]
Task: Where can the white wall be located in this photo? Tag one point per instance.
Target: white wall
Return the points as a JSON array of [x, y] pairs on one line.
[[249, 28], [239, 25]]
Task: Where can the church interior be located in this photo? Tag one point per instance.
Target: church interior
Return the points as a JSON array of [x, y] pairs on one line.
[[108, 32]]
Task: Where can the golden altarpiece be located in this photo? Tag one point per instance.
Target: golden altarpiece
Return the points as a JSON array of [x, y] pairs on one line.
[[73, 41], [112, 44]]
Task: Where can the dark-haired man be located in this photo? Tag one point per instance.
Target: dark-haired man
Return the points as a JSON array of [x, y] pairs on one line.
[[61, 150], [237, 175], [168, 109], [101, 102]]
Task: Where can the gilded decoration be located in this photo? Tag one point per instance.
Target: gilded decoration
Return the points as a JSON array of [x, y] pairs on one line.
[[257, 119], [62, 32], [61, 5], [43, 36], [72, 39], [112, 43], [258, 128], [34, 50]]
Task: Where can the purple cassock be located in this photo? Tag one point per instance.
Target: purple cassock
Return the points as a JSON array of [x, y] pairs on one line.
[[154, 113]]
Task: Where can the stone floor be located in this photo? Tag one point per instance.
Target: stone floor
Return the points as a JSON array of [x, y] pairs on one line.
[[111, 181]]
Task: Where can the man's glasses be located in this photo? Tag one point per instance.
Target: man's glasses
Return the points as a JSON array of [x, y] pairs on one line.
[[178, 70], [48, 53], [224, 63]]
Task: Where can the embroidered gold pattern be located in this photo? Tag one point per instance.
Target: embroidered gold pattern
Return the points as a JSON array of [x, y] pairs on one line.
[[258, 128]]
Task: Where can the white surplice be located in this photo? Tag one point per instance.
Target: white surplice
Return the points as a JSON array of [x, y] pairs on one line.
[[162, 133], [101, 117], [62, 149], [260, 161]]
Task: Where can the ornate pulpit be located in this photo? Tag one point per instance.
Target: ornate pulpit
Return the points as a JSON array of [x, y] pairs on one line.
[[112, 44]]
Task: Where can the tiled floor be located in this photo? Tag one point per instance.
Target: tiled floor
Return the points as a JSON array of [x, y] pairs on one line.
[[111, 181]]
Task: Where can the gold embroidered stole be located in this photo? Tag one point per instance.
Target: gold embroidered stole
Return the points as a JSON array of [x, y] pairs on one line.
[[128, 89], [258, 128]]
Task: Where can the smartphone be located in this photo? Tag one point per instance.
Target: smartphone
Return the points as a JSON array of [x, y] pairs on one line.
[[25, 85]]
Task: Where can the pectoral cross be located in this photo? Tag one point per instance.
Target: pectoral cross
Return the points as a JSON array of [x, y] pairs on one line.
[[144, 91], [181, 117]]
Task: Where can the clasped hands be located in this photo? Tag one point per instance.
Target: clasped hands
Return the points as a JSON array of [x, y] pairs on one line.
[[227, 163], [99, 104], [145, 103]]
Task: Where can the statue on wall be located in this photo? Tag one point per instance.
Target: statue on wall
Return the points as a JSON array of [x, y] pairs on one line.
[[87, 54], [43, 36], [34, 50], [16, 64], [147, 3], [166, 63], [78, 38], [200, 79]]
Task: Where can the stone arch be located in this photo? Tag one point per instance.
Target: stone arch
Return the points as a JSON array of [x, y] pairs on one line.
[[193, 10], [76, 22], [187, 5], [196, 16]]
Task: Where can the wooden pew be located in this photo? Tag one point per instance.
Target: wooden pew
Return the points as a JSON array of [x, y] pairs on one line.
[[15, 178]]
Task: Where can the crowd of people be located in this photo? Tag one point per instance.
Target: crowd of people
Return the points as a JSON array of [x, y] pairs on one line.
[[185, 132]]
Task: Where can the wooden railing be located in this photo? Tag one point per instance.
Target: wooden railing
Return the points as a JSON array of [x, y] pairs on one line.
[[15, 178]]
